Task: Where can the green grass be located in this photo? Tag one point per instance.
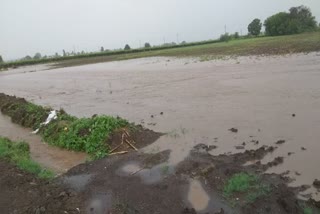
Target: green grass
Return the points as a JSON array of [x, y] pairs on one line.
[[247, 184], [207, 50], [18, 153]]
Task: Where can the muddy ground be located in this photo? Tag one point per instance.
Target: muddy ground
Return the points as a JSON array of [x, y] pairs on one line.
[[141, 183]]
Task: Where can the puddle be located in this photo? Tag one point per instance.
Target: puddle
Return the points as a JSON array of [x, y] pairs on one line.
[[148, 176], [77, 182], [56, 159], [101, 203], [197, 196], [196, 102]]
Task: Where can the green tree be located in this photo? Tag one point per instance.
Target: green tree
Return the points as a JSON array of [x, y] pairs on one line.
[[299, 20], [101, 49], [27, 57], [127, 47], [303, 18], [1, 60], [254, 28], [225, 37], [236, 35], [37, 56], [147, 45], [64, 53]]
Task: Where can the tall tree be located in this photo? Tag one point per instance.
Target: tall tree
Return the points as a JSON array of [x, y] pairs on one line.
[[37, 56], [254, 28], [1, 60], [147, 45], [101, 49], [299, 20], [64, 53], [127, 47]]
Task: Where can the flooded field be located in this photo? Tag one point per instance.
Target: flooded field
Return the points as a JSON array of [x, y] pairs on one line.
[[266, 99]]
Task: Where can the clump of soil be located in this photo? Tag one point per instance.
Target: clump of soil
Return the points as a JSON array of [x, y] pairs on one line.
[[139, 137], [280, 142], [316, 183], [234, 130]]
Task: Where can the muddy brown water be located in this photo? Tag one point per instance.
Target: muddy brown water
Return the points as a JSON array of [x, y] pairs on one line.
[[197, 102], [58, 160]]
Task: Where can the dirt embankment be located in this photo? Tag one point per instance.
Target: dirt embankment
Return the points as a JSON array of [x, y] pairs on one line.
[[98, 136]]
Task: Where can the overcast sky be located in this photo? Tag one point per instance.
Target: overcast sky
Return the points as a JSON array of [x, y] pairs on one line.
[[48, 26]]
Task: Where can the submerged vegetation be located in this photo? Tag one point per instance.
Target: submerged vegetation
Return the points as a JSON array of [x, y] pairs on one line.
[[89, 135], [18, 153]]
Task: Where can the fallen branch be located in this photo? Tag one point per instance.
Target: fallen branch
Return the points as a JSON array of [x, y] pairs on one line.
[[119, 153], [131, 145], [114, 149]]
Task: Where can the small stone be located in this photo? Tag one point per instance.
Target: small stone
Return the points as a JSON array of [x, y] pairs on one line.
[[62, 194], [302, 148], [151, 116], [293, 115], [316, 183], [239, 147], [234, 130], [161, 113], [280, 142]]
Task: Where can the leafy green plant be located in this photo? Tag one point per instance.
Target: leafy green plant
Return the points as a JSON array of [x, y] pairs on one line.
[[84, 134], [18, 153], [240, 182]]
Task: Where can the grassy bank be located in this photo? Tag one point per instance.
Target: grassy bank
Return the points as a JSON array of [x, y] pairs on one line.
[[279, 45], [89, 135], [18, 153]]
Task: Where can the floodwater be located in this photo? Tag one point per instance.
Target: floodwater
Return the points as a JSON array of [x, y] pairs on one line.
[[199, 101], [197, 196], [148, 175], [56, 159]]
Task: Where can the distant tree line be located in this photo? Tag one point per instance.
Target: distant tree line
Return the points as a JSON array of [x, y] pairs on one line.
[[297, 20]]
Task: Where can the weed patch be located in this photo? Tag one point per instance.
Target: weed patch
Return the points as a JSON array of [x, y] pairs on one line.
[[18, 153], [248, 185]]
